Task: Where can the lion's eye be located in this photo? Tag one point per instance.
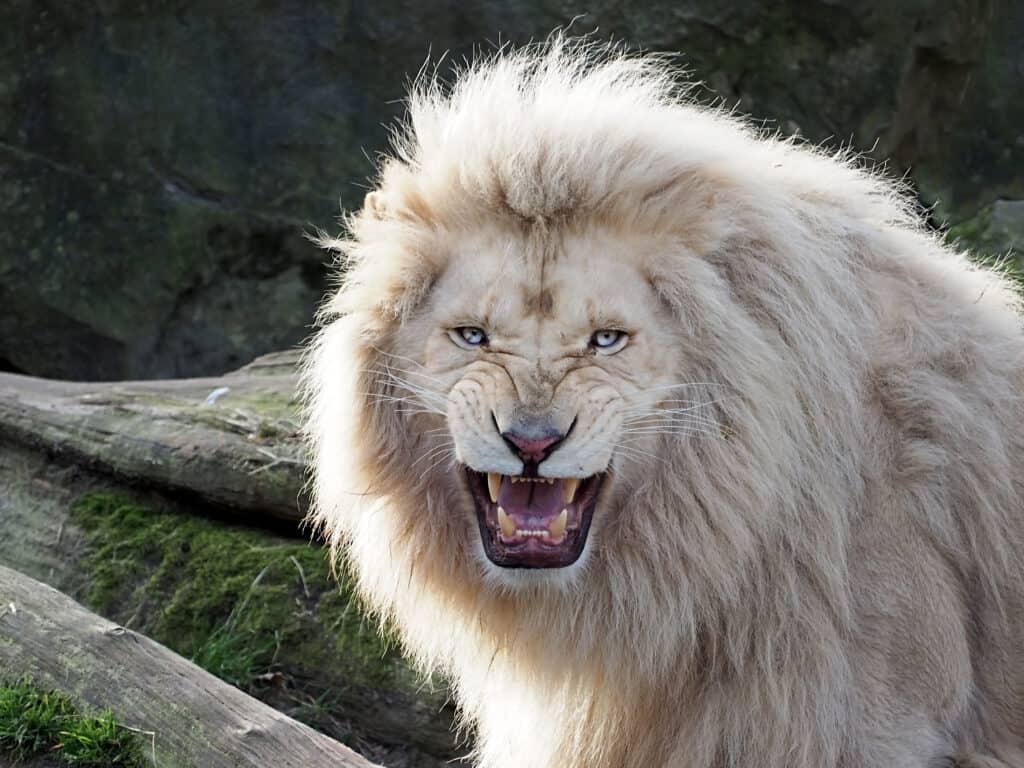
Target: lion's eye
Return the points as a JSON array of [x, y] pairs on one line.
[[468, 336], [608, 341]]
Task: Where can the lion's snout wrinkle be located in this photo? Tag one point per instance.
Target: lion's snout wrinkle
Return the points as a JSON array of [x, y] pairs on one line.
[[785, 529]]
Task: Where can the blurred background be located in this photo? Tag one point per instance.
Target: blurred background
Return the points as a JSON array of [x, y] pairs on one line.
[[161, 160]]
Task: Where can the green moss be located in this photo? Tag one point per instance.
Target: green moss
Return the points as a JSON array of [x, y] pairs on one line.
[[35, 722], [241, 603], [987, 244], [260, 611], [970, 233], [265, 429]]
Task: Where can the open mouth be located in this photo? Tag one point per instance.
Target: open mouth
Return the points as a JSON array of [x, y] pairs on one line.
[[533, 522]]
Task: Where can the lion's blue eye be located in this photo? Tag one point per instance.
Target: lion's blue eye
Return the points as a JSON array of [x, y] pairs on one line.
[[607, 340], [468, 336]]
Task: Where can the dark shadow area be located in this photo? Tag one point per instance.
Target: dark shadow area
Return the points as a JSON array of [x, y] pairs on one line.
[[6, 366]]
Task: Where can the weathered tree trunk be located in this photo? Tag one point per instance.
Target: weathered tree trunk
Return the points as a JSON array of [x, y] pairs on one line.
[[195, 719], [130, 499], [232, 441]]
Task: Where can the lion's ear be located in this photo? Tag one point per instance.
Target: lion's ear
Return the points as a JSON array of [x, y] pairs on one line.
[[373, 205]]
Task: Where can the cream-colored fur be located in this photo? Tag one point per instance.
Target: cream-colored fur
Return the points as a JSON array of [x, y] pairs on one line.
[[808, 548]]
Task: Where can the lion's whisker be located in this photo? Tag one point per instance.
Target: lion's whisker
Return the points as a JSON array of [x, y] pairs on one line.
[[433, 402], [446, 455], [391, 378], [388, 398], [682, 430], [673, 428], [664, 387], [443, 447], [388, 370], [669, 419], [617, 445], [426, 407], [396, 356]]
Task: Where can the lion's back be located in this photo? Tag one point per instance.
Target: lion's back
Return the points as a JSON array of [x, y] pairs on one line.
[[937, 576]]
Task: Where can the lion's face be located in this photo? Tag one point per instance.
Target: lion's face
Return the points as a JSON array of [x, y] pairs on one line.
[[542, 362]]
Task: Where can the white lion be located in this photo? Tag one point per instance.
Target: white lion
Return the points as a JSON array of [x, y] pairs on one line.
[[670, 442]]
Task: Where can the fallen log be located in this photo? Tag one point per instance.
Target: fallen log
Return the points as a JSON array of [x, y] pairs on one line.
[[123, 494], [194, 719], [258, 609], [232, 440]]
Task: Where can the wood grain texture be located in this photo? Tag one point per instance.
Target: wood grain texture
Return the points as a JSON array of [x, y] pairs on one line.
[[232, 440], [197, 720]]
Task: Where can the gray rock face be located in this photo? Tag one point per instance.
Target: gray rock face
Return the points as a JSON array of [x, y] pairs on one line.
[[160, 161], [1006, 224], [995, 232]]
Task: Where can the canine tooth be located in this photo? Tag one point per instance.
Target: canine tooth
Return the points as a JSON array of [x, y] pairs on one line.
[[493, 485], [569, 487], [508, 528], [557, 528]]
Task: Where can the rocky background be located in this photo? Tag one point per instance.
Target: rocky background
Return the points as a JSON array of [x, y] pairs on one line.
[[161, 160]]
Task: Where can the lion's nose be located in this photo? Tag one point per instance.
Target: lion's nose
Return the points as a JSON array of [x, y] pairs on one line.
[[533, 448]]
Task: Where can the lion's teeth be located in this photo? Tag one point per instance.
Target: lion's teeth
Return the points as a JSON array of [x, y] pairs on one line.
[[569, 486], [508, 528], [557, 528], [493, 485]]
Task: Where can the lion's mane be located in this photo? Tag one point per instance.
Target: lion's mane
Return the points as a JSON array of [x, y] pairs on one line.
[[835, 581]]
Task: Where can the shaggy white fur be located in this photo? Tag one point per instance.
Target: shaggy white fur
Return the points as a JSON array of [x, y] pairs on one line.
[[819, 566]]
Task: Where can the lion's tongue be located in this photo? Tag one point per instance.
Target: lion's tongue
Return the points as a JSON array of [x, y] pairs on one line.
[[531, 503]]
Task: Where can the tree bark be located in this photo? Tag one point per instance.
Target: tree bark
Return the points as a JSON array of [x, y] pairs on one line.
[[232, 441], [195, 719], [371, 699], [168, 447]]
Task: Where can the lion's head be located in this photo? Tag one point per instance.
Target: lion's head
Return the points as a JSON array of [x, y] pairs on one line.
[[543, 367], [564, 353], [588, 404], [543, 333]]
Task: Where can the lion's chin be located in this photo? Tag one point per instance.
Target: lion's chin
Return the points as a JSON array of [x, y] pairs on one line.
[[533, 522]]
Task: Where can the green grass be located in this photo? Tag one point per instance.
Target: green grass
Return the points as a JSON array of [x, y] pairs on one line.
[[36, 722], [262, 612]]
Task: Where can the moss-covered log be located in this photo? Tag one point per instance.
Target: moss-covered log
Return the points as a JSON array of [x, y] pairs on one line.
[[258, 609], [195, 719], [230, 441], [149, 502]]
